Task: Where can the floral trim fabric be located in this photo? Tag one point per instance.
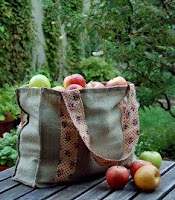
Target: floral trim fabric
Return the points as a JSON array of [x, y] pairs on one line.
[[68, 146], [130, 124]]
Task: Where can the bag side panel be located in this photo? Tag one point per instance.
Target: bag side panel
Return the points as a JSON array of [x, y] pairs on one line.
[[50, 137], [103, 118], [29, 140]]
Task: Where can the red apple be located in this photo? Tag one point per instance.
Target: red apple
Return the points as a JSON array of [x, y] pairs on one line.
[[59, 88], [74, 79], [117, 177], [147, 177], [74, 87], [94, 84], [136, 165], [116, 82]]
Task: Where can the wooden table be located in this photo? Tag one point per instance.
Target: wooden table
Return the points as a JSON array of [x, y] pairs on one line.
[[93, 189]]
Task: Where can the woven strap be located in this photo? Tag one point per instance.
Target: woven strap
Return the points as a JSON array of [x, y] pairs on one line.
[[68, 146], [130, 126]]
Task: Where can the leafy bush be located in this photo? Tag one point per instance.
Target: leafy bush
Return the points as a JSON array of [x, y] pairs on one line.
[[96, 69], [51, 28], [8, 148], [8, 103], [137, 35], [16, 40], [157, 132]]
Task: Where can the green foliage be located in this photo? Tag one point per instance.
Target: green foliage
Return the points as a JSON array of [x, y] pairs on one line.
[[71, 16], [96, 69], [140, 37], [51, 28], [8, 102], [157, 132], [15, 40], [8, 148], [57, 13]]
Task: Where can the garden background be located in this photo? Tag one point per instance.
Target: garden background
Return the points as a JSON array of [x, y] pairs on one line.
[[99, 39]]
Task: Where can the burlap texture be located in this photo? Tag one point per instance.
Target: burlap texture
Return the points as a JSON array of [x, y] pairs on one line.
[[40, 138]]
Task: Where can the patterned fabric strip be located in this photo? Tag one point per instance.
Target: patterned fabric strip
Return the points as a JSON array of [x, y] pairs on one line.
[[130, 125], [68, 147]]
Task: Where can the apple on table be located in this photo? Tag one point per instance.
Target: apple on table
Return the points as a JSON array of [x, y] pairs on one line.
[[152, 156], [117, 177], [147, 178], [136, 165]]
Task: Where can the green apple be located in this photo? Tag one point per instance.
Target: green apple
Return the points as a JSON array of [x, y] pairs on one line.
[[39, 81], [153, 157]]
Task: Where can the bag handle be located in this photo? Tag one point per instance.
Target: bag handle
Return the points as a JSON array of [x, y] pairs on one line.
[[74, 105]]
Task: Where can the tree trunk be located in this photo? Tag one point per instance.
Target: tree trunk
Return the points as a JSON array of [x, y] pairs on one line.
[[63, 52], [38, 52], [84, 34]]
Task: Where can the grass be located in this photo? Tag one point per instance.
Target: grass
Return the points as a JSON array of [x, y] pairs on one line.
[[157, 129]]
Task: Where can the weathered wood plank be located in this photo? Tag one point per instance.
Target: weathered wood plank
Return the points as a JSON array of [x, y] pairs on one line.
[[76, 189], [166, 165], [45, 193], [7, 184], [41, 193], [98, 192], [102, 190], [6, 173], [93, 189], [15, 192], [170, 196], [167, 183]]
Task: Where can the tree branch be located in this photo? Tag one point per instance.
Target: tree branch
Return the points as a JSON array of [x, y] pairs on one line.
[[168, 108], [161, 105], [141, 74], [168, 102], [166, 9], [172, 70]]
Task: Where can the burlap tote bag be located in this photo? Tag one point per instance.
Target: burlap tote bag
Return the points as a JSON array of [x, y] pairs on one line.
[[74, 134]]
